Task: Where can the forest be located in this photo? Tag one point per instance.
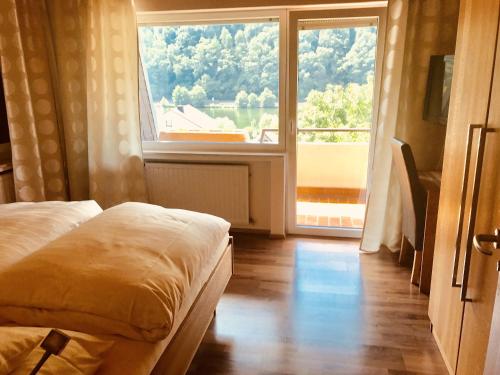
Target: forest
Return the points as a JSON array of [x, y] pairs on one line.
[[237, 65]]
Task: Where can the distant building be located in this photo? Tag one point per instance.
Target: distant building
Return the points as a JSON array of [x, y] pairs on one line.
[[187, 123], [185, 117]]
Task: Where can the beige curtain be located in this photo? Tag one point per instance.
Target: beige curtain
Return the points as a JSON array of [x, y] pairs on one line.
[[69, 69], [415, 31]]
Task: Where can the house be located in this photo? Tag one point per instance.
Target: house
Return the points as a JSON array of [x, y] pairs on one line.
[[336, 210], [186, 122], [186, 117]]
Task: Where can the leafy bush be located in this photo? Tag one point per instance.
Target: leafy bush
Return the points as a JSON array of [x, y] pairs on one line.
[[253, 101], [164, 102], [267, 99], [181, 95], [198, 96], [338, 107], [268, 121], [241, 100]]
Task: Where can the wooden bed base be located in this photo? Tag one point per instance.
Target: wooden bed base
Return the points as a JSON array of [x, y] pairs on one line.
[[179, 353]]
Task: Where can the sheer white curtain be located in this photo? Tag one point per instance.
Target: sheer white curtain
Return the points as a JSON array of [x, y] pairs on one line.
[[415, 31], [383, 198]]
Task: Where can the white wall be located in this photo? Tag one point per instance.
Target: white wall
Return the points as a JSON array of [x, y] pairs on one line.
[[339, 165], [266, 190], [320, 165]]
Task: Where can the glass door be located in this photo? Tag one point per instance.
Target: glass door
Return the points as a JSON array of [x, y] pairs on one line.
[[334, 64]]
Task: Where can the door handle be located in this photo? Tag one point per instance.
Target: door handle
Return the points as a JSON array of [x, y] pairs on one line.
[[494, 239], [473, 212], [461, 215]]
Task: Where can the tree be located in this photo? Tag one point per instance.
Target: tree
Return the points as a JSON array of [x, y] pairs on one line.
[[338, 107], [359, 62], [268, 121], [164, 102], [240, 39], [198, 96], [224, 123], [155, 62], [253, 100], [267, 99], [241, 100], [190, 63], [226, 39], [180, 95]]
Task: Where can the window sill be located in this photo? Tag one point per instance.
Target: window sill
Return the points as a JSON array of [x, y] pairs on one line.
[[157, 156]]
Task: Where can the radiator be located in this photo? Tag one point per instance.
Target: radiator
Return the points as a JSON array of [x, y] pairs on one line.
[[220, 190]]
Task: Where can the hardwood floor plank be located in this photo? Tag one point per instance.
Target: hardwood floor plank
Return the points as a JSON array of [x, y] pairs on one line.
[[317, 306]]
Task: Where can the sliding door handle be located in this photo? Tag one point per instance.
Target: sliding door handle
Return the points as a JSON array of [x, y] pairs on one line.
[[293, 128], [461, 214], [473, 212], [494, 239]]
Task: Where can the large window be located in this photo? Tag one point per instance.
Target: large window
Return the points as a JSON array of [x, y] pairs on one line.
[[218, 80], [215, 81]]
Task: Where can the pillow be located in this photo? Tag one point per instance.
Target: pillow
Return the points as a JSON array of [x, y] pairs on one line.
[[26, 227], [17, 342], [20, 352]]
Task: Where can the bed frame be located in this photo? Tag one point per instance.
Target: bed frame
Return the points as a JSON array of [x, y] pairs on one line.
[[181, 349]]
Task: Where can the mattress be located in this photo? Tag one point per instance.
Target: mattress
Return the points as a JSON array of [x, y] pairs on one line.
[[26, 227], [140, 357]]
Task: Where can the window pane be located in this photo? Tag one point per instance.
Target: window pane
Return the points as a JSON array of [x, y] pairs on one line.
[[336, 74], [213, 83]]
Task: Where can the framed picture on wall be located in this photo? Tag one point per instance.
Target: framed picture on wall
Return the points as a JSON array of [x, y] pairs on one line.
[[437, 98]]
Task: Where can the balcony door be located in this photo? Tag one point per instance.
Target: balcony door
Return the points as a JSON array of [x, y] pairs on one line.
[[333, 85]]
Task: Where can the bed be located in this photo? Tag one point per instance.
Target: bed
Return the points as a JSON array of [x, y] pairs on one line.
[[167, 270]]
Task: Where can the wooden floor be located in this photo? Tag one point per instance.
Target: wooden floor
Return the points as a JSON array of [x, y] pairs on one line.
[[316, 306]]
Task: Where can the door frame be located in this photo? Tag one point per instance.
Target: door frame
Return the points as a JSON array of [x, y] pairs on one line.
[[378, 14]]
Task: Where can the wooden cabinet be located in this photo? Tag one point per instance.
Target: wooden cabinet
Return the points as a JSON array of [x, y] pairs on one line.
[[483, 275], [464, 281]]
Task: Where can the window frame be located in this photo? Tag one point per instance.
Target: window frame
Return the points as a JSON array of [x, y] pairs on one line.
[[175, 18]]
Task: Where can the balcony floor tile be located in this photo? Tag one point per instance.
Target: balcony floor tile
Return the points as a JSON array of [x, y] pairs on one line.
[[346, 215]]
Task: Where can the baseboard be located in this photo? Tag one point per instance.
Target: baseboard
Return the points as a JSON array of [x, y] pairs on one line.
[[250, 231], [277, 236], [261, 232]]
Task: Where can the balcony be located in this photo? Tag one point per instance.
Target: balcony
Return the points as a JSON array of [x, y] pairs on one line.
[[331, 184]]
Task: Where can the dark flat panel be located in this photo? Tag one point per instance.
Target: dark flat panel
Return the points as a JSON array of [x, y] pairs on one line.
[[4, 130]]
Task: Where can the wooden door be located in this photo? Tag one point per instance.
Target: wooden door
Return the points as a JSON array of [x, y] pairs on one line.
[[483, 275], [474, 58], [493, 356]]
